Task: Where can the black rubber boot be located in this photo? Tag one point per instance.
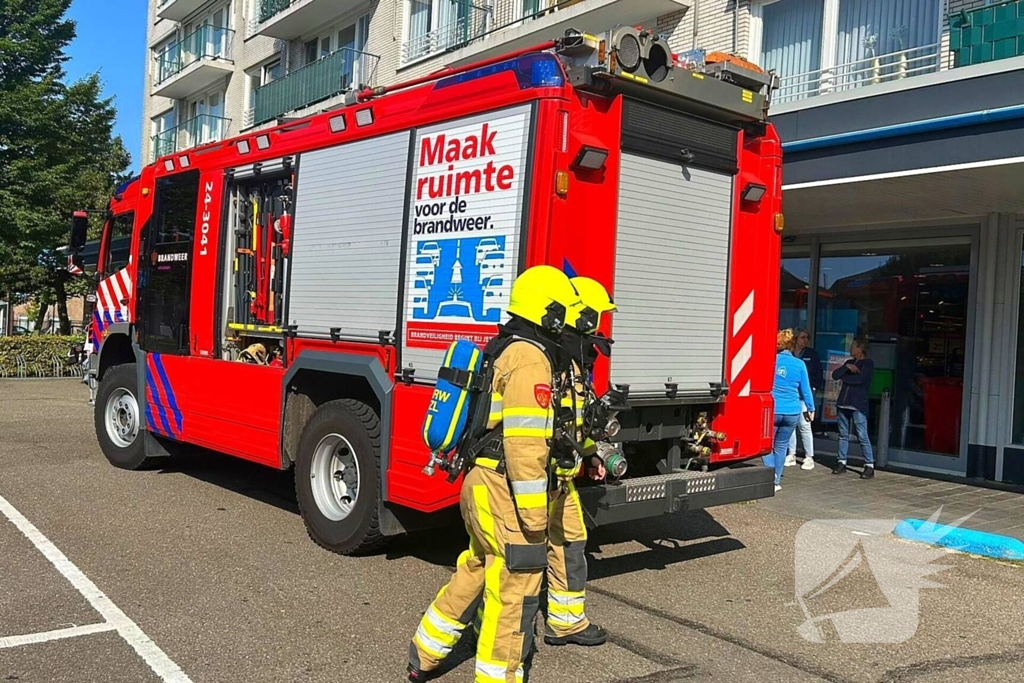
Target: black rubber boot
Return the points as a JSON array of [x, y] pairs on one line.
[[590, 636], [417, 676]]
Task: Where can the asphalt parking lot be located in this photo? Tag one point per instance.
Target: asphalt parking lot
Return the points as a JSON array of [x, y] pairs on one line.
[[202, 571]]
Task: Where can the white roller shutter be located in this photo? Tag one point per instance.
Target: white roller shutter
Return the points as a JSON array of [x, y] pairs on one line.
[[671, 276], [346, 249]]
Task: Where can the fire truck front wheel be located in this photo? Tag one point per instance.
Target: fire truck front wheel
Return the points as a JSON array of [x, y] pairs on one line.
[[337, 477], [118, 418]]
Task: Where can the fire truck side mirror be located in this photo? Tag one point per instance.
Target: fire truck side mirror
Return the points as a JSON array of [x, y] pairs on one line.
[[79, 230]]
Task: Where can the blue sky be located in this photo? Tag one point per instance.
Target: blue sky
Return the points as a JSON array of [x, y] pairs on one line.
[[113, 42]]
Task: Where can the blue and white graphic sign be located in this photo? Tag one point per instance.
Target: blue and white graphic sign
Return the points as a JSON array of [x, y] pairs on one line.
[[464, 227]]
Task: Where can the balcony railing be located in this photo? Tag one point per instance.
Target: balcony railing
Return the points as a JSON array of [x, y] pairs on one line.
[[269, 8], [475, 22], [197, 131], [207, 42], [868, 71], [332, 75]]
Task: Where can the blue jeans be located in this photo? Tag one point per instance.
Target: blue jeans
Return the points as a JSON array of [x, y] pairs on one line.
[[784, 428], [860, 423]]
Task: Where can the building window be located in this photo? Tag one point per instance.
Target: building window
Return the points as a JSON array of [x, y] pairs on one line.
[[910, 299], [1017, 435], [438, 25], [317, 48], [164, 59], [206, 122], [795, 289], [821, 46], [271, 72], [163, 133]]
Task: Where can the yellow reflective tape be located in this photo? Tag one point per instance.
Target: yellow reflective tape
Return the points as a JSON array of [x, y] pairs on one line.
[[426, 426], [565, 610], [492, 607], [485, 517], [445, 619], [525, 412], [639, 79], [492, 575], [438, 636], [529, 501], [530, 432], [579, 507], [489, 463], [431, 648], [566, 597], [697, 75], [748, 96]]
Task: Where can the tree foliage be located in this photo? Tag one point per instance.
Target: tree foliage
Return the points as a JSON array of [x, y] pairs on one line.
[[57, 151]]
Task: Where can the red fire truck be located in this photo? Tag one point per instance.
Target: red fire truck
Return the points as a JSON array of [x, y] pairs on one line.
[[289, 293]]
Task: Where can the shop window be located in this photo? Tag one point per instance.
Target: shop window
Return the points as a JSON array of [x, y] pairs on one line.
[[794, 291], [1017, 434], [910, 301]]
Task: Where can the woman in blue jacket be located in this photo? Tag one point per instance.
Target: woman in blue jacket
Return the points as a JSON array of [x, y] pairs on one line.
[[791, 391]]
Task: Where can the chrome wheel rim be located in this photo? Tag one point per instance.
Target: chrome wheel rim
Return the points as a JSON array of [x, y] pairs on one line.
[[334, 477], [122, 418]]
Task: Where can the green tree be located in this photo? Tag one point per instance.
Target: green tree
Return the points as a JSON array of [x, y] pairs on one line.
[[57, 152]]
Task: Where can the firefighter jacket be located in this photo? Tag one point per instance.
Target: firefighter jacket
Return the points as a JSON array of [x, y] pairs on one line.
[[521, 402]]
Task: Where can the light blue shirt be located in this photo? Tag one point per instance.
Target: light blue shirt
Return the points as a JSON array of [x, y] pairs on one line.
[[792, 387]]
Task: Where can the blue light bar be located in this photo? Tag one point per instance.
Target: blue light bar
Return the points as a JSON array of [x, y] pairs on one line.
[[119, 192], [537, 70]]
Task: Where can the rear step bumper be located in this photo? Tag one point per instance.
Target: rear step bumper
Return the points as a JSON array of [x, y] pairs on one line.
[[666, 493]]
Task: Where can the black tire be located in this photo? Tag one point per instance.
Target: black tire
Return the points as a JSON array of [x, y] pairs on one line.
[[358, 533], [133, 456]]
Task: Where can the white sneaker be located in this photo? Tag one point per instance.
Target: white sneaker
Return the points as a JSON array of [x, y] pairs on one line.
[[790, 460], [778, 487], [808, 464]]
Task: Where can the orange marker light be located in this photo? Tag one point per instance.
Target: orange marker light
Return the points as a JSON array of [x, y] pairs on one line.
[[145, 192], [561, 183], [780, 223]]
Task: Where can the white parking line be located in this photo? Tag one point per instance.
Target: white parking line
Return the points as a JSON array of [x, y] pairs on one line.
[[117, 620], [59, 634]]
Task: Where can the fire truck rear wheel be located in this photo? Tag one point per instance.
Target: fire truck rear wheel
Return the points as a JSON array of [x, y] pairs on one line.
[[118, 418], [337, 477]]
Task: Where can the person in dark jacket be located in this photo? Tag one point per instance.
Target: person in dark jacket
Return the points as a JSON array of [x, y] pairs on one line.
[[852, 405]]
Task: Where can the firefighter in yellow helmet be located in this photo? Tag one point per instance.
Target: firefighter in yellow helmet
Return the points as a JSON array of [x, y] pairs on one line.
[[504, 498], [567, 621]]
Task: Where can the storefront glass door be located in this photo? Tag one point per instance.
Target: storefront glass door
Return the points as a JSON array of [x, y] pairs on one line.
[[910, 300], [794, 288]]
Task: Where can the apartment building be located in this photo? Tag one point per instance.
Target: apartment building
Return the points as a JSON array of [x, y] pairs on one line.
[[901, 122], [219, 67]]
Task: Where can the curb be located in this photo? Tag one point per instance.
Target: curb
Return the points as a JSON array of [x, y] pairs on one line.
[[962, 540]]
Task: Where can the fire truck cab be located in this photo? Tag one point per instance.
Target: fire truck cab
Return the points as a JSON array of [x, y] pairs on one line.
[[289, 293]]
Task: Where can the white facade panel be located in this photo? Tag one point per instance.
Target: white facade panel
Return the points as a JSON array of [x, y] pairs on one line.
[[347, 239]]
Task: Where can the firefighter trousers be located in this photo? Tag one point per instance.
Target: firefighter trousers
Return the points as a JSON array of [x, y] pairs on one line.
[[507, 567], [567, 563]]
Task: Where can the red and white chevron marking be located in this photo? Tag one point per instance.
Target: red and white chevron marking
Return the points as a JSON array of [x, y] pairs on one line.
[[741, 357], [114, 294]]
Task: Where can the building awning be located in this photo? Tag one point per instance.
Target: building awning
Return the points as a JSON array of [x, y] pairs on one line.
[[964, 191]]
